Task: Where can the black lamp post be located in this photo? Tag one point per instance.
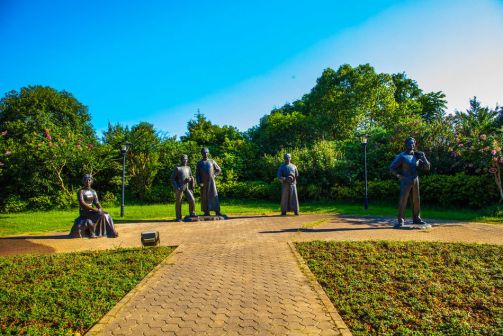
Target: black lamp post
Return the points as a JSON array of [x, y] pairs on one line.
[[364, 140], [124, 148]]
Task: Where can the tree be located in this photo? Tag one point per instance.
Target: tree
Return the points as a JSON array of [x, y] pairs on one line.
[[433, 106], [283, 128], [350, 99], [228, 146], [203, 132], [42, 128], [34, 108], [143, 158]]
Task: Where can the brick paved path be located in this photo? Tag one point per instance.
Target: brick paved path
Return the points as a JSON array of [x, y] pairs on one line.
[[225, 289], [238, 276]]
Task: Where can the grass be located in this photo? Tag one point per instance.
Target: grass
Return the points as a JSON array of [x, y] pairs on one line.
[[68, 293], [411, 288], [61, 220]]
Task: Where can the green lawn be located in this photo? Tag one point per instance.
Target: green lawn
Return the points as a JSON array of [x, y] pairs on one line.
[[61, 220], [411, 288], [67, 293]]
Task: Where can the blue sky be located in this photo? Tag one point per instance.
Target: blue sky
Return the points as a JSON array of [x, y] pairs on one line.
[[161, 61]]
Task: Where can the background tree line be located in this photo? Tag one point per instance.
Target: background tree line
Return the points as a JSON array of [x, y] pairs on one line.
[[47, 143]]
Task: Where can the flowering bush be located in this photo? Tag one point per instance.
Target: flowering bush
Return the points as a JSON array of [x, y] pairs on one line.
[[481, 152], [65, 155]]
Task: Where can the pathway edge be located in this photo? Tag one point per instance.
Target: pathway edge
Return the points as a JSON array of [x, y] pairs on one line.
[[97, 328], [332, 311]]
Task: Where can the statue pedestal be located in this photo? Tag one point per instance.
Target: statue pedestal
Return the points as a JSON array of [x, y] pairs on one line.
[[415, 227], [204, 218]]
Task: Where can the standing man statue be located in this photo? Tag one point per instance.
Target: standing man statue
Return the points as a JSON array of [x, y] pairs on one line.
[[183, 183], [288, 174], [206, 171], [405, 168]]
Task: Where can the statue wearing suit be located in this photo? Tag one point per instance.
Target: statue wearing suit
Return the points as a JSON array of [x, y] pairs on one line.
[[183, 183], [405, 167]]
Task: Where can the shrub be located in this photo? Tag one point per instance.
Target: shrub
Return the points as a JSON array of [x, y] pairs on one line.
[[250, 190], [41, 202], [160, 194], [65, 201], [14, 203], [109, 198], [458, 190]]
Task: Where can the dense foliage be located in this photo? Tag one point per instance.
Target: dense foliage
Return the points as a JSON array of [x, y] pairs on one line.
[[47, 143], [411, 288]]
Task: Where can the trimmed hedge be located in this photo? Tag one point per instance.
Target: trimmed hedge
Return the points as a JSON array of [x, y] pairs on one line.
[[259, 190], [458, 190]]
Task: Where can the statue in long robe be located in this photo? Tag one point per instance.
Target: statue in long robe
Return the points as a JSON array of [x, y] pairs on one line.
[[93, 221], [206, 171], [288, 174]]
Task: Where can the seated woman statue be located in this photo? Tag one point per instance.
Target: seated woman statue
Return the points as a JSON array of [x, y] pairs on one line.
[[93, 221]]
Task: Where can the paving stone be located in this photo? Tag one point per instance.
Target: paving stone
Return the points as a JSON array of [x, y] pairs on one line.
[[247, 286], [168, 327]]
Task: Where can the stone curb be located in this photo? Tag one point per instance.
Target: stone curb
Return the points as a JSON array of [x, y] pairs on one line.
[[108, 317], [332, 311]]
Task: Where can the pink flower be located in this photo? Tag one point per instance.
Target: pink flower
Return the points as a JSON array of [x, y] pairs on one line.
[[493, 152], [501, 159], [47, 135], [492, 170], [461, 145], [4, 133], [90, 146], [78, 146]]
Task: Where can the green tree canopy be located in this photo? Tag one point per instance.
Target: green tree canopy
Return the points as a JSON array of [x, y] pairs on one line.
[[47, 133]]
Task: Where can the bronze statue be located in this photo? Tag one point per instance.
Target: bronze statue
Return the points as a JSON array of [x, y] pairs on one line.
[[405, 168], [93, 221], [288, 174], [183, 183], [206, 171]]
